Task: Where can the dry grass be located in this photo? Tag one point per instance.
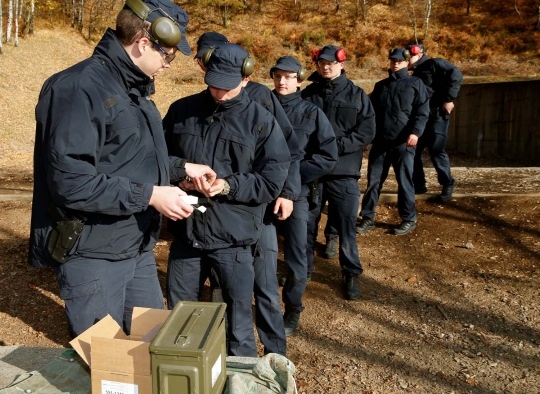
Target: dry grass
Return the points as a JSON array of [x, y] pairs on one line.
[[492, 41]]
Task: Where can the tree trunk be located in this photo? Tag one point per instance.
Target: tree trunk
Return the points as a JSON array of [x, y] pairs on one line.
[[81, 12], [10, 21], [73, 13], [516, 8], [427, 16], [468, 7], [538, 17], [391, 3], [1, 30], [16, 23], [32, 8]]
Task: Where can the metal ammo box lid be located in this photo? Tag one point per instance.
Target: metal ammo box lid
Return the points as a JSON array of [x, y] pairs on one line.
[[188, 353]]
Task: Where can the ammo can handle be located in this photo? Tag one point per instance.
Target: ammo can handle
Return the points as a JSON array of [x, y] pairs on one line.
[[182, 335]]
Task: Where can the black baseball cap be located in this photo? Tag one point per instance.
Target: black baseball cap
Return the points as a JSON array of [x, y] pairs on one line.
[[397, 54], [208, 40], [224, 68], [287, 63]]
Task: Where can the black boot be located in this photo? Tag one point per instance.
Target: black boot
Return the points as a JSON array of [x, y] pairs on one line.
[[291, 321], [447, 192], [331, 247], [365, 226], [352, 289], [405, 228]]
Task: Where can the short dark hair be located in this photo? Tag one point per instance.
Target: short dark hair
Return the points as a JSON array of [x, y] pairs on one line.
[[129, 27]]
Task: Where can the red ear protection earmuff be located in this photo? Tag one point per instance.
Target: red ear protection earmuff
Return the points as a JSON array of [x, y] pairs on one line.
[[341, 55], [415, 50]]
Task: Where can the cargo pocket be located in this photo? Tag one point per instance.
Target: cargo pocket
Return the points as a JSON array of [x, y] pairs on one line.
[[85, 304]]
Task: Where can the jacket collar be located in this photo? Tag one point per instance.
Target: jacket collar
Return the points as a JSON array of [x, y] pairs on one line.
[[335, 83], [419, 62], [109, 51], [401, 73], [289, 99], [241, 100]]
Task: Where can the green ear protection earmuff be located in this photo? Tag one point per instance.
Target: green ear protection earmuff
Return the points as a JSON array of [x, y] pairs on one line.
[[248, 65], [164, 29], [406, 53], [301, 74]]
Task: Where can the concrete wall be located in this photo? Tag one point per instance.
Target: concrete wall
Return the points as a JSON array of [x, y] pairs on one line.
[[497, 120]]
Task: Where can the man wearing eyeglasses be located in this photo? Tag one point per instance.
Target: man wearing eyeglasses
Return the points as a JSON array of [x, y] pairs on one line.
[[101, 171], [351, 115], [318, 143]]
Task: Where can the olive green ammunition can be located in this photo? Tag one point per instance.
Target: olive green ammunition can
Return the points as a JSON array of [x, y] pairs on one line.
[[189, 352]]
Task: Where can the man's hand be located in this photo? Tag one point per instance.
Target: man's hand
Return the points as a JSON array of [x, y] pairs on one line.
[[215, 189], [412, 140], [195, 171], [448, 107], [166, 199], [284, 206]]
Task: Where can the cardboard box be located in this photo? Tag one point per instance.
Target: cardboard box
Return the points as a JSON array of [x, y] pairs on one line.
[[120, 364]]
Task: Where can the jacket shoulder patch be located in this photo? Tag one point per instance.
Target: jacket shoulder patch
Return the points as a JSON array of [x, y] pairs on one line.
[[109, 103]]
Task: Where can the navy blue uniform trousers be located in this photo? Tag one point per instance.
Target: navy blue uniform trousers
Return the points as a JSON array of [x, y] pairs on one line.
[[189, 268], [268, 317], [343, 196], [295, 234], [434, 139], [93, 288], [382, 155]]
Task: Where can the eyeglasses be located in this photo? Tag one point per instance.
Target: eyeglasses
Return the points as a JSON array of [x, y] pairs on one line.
[[323, 63], [277, 77], [169, 57]]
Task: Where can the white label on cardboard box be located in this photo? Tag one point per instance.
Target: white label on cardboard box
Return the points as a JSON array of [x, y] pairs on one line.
[[110, 387], [216, 370]]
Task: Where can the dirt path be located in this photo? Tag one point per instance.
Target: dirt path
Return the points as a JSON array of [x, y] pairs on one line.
[[451, 308]]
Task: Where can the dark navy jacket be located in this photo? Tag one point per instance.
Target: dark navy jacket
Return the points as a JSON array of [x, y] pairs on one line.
[[315, 136], [442, 79], [351, 115], [242, 142], [401, 106], [263, 95], [99, 150]]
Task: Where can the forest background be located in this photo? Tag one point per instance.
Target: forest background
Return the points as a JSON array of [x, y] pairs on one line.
[[489, 37]]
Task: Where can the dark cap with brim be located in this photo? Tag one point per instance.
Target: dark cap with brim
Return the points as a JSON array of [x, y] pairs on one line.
[[224, 68], [397, 54], [287, 63], [209, 40], [177, 14], [328, 52]]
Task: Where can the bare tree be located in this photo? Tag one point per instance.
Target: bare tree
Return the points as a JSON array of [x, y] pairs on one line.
[[427, 15], [516, 8], [16, 23], [73, 13], [361, 8], [10, 21], [538, 17], [410, 11], [419, 14], [226, 7], [1, 30]]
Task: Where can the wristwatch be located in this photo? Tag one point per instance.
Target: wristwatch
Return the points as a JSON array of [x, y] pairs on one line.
[[226, 189]]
